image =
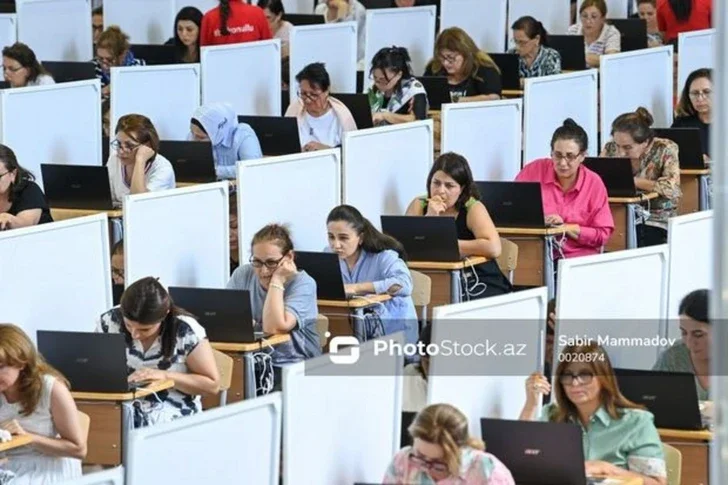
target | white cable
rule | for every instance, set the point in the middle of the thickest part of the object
(470, 291)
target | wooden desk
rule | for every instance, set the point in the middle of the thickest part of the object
(625, 221)
(621, 480)
(695, 449)
(345, 315)
(63, 214)
(512, 93)
(695, 191)
(108, 421)
(446, 279)
(15, 442)
(243, 380)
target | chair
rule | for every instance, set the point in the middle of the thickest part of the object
(322, 327)
(421, 292)
(224, 365)
(508, 260)
(673, 460)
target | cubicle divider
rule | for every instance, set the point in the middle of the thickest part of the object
(349, 405)
(555, 15)
(691, 261)
(299, 6)
(8, 29)
(617, 9)
(59, 123)
(549, 100)
(238, 443)
(56, 30)
(308, 187)
(696, 50)
(412, 28)
(144, 21)
(334, 45)
(57, 276)
(621, 93)
(501, 343)
(114, 476)
(180, 236)
(385, 168)
(202, 5)
(499, 121)
(485, 22)
(168, 95)
(625, 312)
(255, 68)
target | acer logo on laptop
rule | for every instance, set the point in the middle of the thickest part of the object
(531, 452)
(648, 397)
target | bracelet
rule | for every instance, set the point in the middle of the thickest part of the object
(277, 286)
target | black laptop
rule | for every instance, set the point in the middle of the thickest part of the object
(358, 104)
(513, 204)
(77, 186)
(616, 173)
(304, 19)
(277, 135)
(508, 65)
(571, 49)
(670, 396)
(325, 270)
(689, 144)
(191, 160)
(227, 315)
(64, 72)
(105, 148)
(425, 238)
(438, 90)
(155, 54)
(633, 31)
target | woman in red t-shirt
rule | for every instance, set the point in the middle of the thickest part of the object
(676, 16)
(233, 22)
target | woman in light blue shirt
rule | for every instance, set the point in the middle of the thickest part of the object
(231, 141)
(372, 262)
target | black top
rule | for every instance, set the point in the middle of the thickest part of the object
(695, 122)
(31, 197)
(486, 81)
(419, 107)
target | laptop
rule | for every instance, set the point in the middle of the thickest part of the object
(277, 135)
(304, 19)
(689, 143)
(377, 3)
(616, 173)
(227, 315)
(64, 72)
(105, 149)
(77, 186)
(358, 104)
(634, 33)
(425, 238)
(508, 65)
(571, 49)
(192, 161)
(4, 85)
(154, 54)
(670, 396)
(513, 204)
(438, 91)
(325, 270)
(92, 362)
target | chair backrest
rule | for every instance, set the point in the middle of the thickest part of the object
(85, 421)
(322, 326)
(421, 288)
(673, 460)
(224, 365)
(508, 260)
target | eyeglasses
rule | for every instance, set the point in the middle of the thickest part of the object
(583, 377)
(119, 273)
(593, 18)
(448, 59)
(520, 43)
(422, 462)
(4, 174)
(569, 157)
(310, 96)
(105, 60)
(126, 147)
(706, 94)
(270, 264)
(12, 69)
(97, 28)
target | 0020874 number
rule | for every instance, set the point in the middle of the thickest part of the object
(586, 357)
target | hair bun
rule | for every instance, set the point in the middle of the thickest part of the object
(644, 115)
(570, 123)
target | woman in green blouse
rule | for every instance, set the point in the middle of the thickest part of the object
(620, 438)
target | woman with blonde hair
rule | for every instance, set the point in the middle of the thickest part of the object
(444, 452)
(35, 401)
(471, 73)
(112, 50)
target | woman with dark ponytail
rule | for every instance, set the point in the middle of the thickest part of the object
(233, 22)
(535, 57)
(372, 262)
(677, 16)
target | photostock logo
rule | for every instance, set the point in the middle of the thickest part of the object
(350, 342)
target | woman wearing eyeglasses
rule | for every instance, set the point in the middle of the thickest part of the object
(322, 119)
(22, 203)
(620, 438)
(572, 194)
(444, 452)
(599, 37)
(135, 166)
(112, 50)
(535, 57)
(695, 108)
(21, 67)
(283, 298)
(396, 95)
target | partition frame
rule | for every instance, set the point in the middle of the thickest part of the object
(684, 38)
(487, 41)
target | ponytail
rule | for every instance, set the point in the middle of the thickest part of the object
(544, 34)
(224, 15)
(682, 9)
(638, 125)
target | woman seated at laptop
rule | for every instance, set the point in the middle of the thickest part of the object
(599, 37)
(444, 452)
(692, 353)
(21, 68)
(373, 263)
(231, 141)
(531, 41)
(656, 168)
(471, 73)
(571, 193)
(135, 166)
(647, 11)
(322, 119)
(695, 108)
(22, 203)
(281, 29)
(112, 50)
(35, 401)
(396, 95)
(620, 438)
(283, 299)
(163, 342)
(186, 40)
(451, 192)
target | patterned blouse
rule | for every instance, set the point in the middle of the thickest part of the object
(661, 164)
(547, 63)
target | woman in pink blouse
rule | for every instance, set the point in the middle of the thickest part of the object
(572, 194)
(444, 453)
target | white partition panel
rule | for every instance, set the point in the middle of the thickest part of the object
(613, 296)
(483, 20)
(334, 45)
(502, 342)
(208, 446)
(363, 399)
(202, 5)
(298, 6)
(385, 168)
(616, 9)
(144, 21)
(555, 15)
(8, 29)
(168, 95)
(180, 236)
(56, 30)
(691, 260)
(115, 476)
(56, 276)
(311, 184)
(413, 28)
(501, 120)
(550, 100)
(696, 50)
(621, 94)
(60, 123)
(255, 68)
